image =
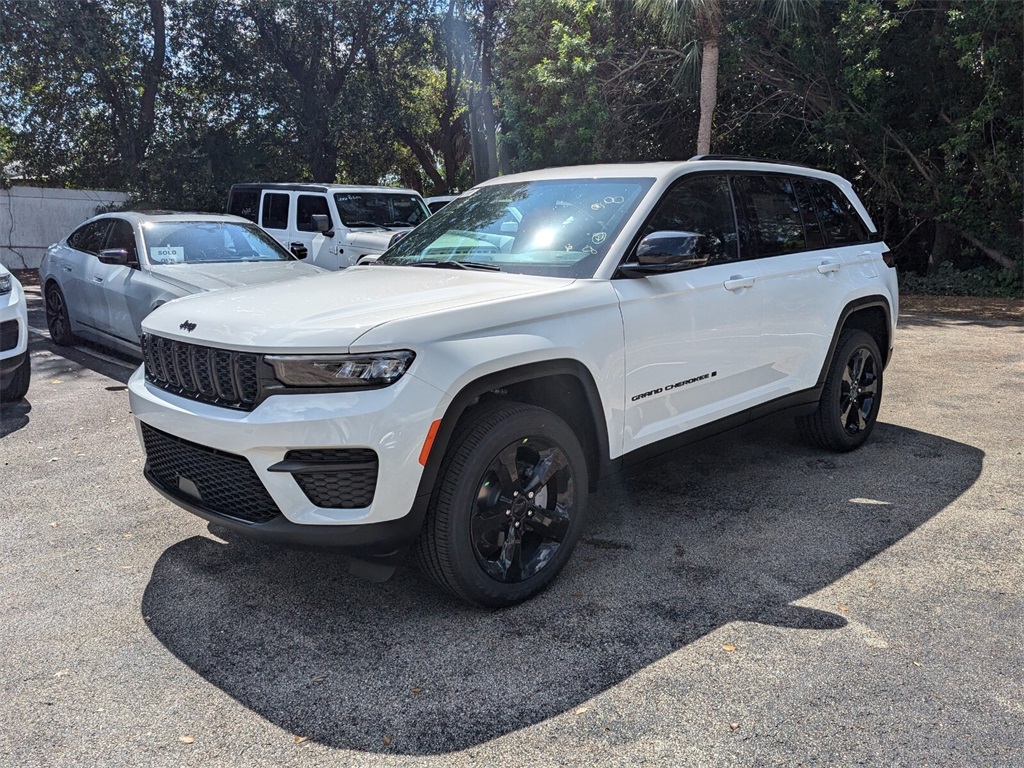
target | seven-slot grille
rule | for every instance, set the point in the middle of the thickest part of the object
(214, 481)
(217, 376)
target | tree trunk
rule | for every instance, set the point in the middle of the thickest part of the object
(940, 247)
(708, 88)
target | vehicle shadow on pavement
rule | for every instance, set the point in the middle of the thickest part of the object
(734, 529)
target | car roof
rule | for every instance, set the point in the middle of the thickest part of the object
(313, 187)
(143, 217)
(662, 169)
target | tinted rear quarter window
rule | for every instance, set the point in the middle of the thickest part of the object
(244, 203)
(841, 223)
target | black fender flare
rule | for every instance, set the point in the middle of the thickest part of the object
(470, 394)
(854, 306)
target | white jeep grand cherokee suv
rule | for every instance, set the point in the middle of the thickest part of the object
(463, 395)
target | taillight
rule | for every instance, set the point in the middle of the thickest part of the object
(889, 259)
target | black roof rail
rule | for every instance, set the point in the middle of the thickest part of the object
(298, 186)
(742, 159)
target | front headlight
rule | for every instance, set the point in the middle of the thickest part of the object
(6, 284)
(377, 369)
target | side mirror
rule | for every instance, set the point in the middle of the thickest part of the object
(116, 256)
(322, 223)
(299, 251)
(661, 252)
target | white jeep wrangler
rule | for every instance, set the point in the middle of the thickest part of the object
(463, 395)
(331, 225)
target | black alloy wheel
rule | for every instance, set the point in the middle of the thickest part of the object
(523, 509)
(851, 397)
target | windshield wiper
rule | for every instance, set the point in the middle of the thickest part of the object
(365, 224)
(457, 265)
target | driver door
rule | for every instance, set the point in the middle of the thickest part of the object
(693, 337)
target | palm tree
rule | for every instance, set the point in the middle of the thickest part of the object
(698, 26)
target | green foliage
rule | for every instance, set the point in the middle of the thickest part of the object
(919, 102)
(976, 281)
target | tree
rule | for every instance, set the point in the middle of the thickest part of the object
(83, 79)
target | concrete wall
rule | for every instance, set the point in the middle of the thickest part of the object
(33, 218)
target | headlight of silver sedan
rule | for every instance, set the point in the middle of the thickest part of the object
(369, 371)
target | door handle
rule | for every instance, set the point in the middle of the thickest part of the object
(736, 282)
(97, 279)
(829, 266)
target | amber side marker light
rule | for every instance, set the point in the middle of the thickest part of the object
(429, 442)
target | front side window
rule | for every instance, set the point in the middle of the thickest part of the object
(380, 209)
(122, 235)
(308, 206)
(559, 227)
(702, 206)
(275, 211)
(90, 237)
(774, 214)
(182, 242)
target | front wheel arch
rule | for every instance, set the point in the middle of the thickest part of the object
(542, 384)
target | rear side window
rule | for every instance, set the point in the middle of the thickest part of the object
(275, 211)
(841, 223)
(774, 214)
(306, 208)
(702, 205)
(244, 203)
(90, 237)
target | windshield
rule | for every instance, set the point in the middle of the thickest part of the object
(558, 228)
(380, 209)
(177, 242)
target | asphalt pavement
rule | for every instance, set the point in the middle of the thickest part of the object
(750, 602)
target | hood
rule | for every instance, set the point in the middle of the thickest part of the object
(197, 276)
(373, 239)
(333, 311)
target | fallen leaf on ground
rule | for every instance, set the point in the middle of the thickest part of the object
(844, 608)
(733, 726)
(187, 739)
(417, 690)
(300, 739)
(580, 710)
(387, 740)
(54, 458)
(729, 648)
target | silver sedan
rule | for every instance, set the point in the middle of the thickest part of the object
(101, 280)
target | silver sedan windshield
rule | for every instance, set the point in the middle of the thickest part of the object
(178, 242)
(559, 228)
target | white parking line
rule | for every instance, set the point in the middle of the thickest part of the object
(91, 352)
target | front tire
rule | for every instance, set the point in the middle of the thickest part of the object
(849, 403)
(15, 387)
(508, 507)
(57, 319)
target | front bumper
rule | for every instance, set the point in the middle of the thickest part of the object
(252, 447)
(13, 328)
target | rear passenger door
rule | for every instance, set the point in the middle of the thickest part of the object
(692, 338)
(804, 282)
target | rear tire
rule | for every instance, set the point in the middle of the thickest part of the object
(15, 386)
(849, 402)
(509, 505)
